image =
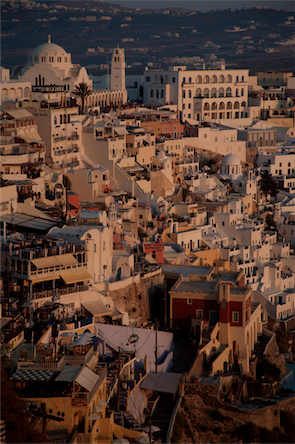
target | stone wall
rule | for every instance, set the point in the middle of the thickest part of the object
(142, 301)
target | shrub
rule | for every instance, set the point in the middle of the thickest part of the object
(248, 432)
(217, 415)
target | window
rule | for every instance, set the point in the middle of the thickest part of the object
(190, 80)
(183, 79)
(183, 94)
(189, 301)
(189, 105)
(189, 116)
(183, 106)
(199, 314)
(148, 79)
(235, 316)
(173, 79)
(94, 248)
(104, 246)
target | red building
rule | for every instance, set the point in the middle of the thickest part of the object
(212, 296)
(73, 203)
(173, 128)
(154, 251)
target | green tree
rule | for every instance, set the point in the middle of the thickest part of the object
(268, 185)
(83, 90)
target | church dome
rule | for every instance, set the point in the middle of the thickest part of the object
(48, 48)
(50, 54)
(230, 160)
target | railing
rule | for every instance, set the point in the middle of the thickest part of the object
(56, 366)
(57, 270)
(59, 291)
(59, 139)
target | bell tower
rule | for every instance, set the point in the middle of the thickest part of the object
(118, 70)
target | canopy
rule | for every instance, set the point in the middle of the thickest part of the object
(84, 339)
(87, 379)
(55, 261)
(77, 276)
(44, 278)
(68, 373)
(161, 382)
(96, 307)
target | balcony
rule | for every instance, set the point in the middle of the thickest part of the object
(59, 138)
(74, 137)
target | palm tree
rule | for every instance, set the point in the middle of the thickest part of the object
(82, 90)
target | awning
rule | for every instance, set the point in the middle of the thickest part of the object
(77, 276)
(87, 379)
(163, 382)
(32, 137)
(55, 261)
(97, 307)
(67, 259)
(68, 373)
(45, 278)
(19, 219)
(46, 262)
(23, 182)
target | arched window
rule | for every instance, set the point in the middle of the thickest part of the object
(157, 93)
(229, 79)
(214, 106)
(221, 92)
(236, 105)
(221, 105)
(161, 79)
(213, 92)
(152, 93)
(243, 104)
(228, 92)
(206, 92)
(229, 105)
(206, 106)
(162, 94)
(242, 92)
(221, 78)
(206, 80)
(214, 79)
(199, 79)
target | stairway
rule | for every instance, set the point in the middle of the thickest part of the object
(162, 414)
(184, 354)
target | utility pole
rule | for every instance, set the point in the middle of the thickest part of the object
(118, 384)
(156, 349)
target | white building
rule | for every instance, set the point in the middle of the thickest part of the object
(98, 243)
(53, 77)
(201, 95)
(12, 90)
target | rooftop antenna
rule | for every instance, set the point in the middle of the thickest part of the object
(49, 38)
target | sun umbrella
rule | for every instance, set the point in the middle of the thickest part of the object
(102, 402)
(143, 440)
(120, 441)
(152, 429)
(97, 408)
(68, 334)
(93, 416)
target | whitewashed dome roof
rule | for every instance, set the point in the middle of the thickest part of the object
(230, 160)
(49, 48)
